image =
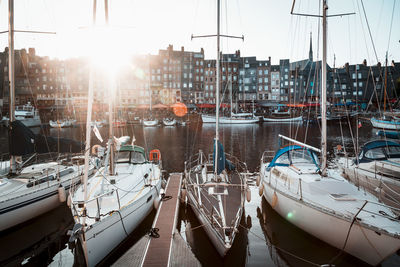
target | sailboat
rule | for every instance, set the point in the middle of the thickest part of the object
(321, 202)
(376, 169)
(30, 190)
(111, 204)
(216, 185)
(234, 118)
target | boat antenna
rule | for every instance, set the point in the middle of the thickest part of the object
(217, 88)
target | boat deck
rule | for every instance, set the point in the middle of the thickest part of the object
(169, 249)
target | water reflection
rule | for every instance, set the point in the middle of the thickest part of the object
(288, 245)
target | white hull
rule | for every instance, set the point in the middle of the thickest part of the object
(150, 122)
(29, 202)
(227, 120)
(362, 242)
(294, 119)
(104, 236)
(315, 209)
(169, 122)
(219, 244)
(385, 124)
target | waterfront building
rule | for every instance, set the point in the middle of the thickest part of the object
(264, 80)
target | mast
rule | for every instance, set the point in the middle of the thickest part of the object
(323, 87)
(384, 92)
(230, 92)
(11, 75)
(88, 137)
(217, 93)
(110, 105)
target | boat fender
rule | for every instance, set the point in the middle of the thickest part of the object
(163, 184)
(261, 189)
(274, 200)
(62, 196)
(183, 195)
(248, 194)
(95, 149)
(69, 201)
(258, 180)
(156, 202)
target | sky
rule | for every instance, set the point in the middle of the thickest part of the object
(269, 30)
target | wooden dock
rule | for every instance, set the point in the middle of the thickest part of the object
(169, 249)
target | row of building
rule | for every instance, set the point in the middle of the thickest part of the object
(186, 76)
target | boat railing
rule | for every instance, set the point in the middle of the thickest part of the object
(80, 205)
(267, 156)
(196, 159)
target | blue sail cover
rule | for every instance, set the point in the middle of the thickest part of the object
(221, 157)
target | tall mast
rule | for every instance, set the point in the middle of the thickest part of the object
(384, 92)
(88, 132)
(11, 74)
(217, 95)
(112, 84)
(230, 92)
(323, 87)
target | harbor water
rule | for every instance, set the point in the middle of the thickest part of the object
(264, 239)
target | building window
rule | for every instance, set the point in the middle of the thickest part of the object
(265, 72)
(265, 79)
(359, 75)
(353, 76)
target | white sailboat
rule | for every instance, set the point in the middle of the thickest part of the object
(234, 118)
(111, 204)
(324, 204)
(376, 169)
(30, 190)
(216, 185)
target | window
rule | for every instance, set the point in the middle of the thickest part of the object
(343, 86)
(265, 72)
(360, 84)
(259, 80)
(359, 75)
(353, 76)
(260, 72)
(266, 87)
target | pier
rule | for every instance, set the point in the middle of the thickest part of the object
(163, 246)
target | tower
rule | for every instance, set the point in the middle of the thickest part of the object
(310, 53)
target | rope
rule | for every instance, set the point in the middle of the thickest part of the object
(153, 232)
(348, 233)
(165, 197)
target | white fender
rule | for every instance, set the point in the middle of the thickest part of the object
(62, 196)
(248, 194)
(183, 195)
(258, 180)
(261, 189)
(274, 200)
(156, 202)
(163, 184)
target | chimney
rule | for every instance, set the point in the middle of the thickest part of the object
(365, 62)
(170, 47)
(182, 48)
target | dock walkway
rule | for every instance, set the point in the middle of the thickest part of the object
(169, 249)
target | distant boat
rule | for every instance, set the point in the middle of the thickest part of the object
(119, 123)
(62, 123)
(282, 116)
(390, 123)
(169, 122)
(150, 122)
(27, 114)
(230, 120)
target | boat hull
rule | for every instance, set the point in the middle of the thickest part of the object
(219, 244)
(105, 235)
(30, 122)
(363, 243)
(28, 206)
(293, 119)
(226, 120)
(150, 122)
(384, 124)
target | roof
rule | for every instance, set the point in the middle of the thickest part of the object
(284, 150)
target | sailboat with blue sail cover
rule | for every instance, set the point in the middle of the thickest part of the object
(216, 186)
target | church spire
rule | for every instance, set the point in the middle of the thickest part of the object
(310, 54)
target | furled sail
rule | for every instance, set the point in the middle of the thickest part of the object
(23, 142)
(221, 157)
